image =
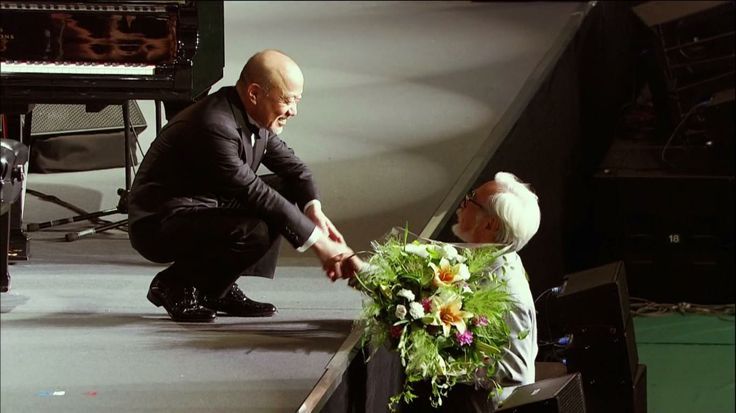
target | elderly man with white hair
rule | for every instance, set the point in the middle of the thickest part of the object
(505, 211)
(501, 211)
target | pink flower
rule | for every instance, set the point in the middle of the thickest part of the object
(427, 304)
(480, 321)
(465, 338)
(396, 331)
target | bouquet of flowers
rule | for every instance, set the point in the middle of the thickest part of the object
(440, 307)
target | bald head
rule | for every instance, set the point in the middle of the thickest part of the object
(270, 69)
(270, 87)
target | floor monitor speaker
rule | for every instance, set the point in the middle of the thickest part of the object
(592, 309)
(557, 395)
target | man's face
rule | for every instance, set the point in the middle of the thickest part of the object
(275, 107)
(472, 218)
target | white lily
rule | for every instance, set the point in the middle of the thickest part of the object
(446, 273)
(448, 312)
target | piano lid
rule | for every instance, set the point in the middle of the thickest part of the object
(108, 51)
(133, 33)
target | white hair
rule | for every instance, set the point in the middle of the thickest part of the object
(517, 209)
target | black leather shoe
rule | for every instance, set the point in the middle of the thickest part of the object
(236, 303)
(180, 302)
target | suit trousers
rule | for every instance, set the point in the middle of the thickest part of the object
(210, 248)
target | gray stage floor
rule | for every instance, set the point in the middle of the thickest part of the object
(88, 331)
(400, 99)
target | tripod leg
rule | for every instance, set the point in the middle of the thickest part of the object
(56, 222)
(73, 236)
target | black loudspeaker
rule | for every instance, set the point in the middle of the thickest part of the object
(640, 389)
(67, 138)
(52, 119)
(592, 307)
(669, 228)
(557, 395)
(601, 291)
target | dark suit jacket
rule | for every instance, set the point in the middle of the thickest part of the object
(204, 157)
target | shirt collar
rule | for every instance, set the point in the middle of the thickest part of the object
(247, 121)
(263, 133)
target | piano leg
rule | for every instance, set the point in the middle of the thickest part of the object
(4, 244)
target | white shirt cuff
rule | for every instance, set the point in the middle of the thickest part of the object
(316, 234)
(310, 203)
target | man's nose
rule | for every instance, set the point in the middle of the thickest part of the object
(292, 110)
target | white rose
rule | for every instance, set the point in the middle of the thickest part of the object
(417, 249)
(406, 294)
(449, 252)
(400, 311)
(463, 272)
(416, 310)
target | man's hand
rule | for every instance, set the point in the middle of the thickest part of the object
(332, 254)
(314, 212)
(344, 265)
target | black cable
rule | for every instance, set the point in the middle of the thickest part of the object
(679, 126)
(644, 307)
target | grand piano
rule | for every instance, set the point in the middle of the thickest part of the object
(101, 53)
(107, 52)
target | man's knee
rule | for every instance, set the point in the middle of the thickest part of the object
(254, 236)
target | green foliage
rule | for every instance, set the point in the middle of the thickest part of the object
(441, 307)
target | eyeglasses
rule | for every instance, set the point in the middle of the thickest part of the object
(470, 197)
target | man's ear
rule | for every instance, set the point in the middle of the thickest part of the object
(493, 224)
(486, 230)
(252, 93)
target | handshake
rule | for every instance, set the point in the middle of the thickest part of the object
(343, 265)
(338, 260)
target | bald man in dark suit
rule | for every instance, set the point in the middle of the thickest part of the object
(198, 203)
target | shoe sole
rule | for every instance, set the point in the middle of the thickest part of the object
(256, 315)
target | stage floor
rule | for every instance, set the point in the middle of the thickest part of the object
(87, 339)
(400, 100)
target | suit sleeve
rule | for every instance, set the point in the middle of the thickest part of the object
(220, 158)
(281, 160)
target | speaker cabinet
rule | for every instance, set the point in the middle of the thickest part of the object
(640, 389)
(557, 395)
(669, 228)
(592, 307)
(66, 138)
(601, 291)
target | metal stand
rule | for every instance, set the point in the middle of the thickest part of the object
(121, 208)
(17, 125)
(13, 159)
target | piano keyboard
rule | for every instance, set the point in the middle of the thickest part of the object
(77, 69)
